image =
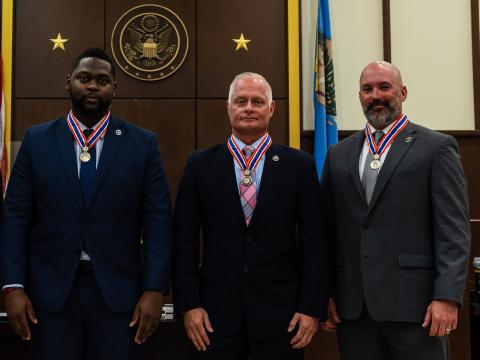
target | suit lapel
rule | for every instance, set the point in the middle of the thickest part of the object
(355, 150)
(268, 176)
(399, 148)
(113, 138)
(232, 194)
(66, 150)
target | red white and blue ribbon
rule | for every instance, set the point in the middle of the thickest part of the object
(379, 149)
(254, 159)
(96, 135)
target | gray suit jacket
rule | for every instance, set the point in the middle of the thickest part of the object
(411, 245)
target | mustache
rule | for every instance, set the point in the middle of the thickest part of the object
(378, 102)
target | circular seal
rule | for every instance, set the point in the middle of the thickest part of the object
(149, 42)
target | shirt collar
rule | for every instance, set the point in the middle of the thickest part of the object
(385, 130)
(83, 127)
(241, 144)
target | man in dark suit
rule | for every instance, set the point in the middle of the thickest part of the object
(264, 275)
(399, 216)
(76, 210)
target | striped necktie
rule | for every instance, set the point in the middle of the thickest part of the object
(248, 193)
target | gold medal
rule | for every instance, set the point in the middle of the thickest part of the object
(247, 181)
(85, 156)
(375, 164)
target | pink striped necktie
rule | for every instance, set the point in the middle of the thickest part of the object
(248, 193)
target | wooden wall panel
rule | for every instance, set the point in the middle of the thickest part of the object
(180, 84)
(40, 72)
(220, 21)
(174, 123)
(33, 112)
(213, 126)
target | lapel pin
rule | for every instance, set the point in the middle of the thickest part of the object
(408, 139)
(275, 158)
(118, 132)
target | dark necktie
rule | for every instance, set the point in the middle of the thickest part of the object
(369, 177)
(87, 170)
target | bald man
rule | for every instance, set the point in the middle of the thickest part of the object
(400, 220)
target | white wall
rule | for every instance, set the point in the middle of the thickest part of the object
(431, 44)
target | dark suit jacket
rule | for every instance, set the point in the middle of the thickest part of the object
(411, 245)
(264, 272)
(46, 220)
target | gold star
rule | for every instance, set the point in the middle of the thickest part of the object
(58, 42)
(241, 42)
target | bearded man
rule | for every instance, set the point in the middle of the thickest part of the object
(400, 221)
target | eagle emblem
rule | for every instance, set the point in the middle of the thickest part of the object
(149, 42)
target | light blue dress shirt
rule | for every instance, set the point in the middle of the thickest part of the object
(258, 169)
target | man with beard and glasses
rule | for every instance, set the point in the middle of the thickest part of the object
(399, 218)
(84, 191)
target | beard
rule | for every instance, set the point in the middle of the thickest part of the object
(380, 120)
(80, 104)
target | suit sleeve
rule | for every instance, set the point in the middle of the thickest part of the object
(17, 219)
(315, 249)
(328, 217)
(156, 223)
(451, 223)
(186, 288)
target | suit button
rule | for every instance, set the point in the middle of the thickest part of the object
(248, 239)
(245, 269)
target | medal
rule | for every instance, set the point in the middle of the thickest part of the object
(85, 156)
(248, 166)
(378, 149)
(375, 164)
(247, 180)
(87, 144)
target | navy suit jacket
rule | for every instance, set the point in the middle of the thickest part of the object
(46, 221)
(261, 273)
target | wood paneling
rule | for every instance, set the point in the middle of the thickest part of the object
(474, 9)
(214, 126)
(387, 35)
(181, 84)
(220, 21)
(33, 112)
(39, 71)
(174, 123)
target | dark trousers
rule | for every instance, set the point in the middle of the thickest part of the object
(243, 346)
(85, 328)
(366, 339)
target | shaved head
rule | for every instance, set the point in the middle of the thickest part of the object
(381, 93)
(379, 64)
